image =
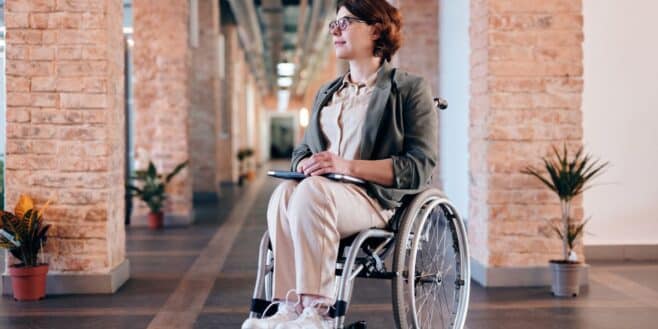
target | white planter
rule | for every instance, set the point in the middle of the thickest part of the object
(566, 278)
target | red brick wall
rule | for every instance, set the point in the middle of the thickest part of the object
(65, 125)
(162, 99)
(420, 49)
(526, 89)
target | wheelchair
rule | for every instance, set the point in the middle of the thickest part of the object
(429, 271)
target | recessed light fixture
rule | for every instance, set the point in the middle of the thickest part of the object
(285, 82)
(285, 69)
(303, 117)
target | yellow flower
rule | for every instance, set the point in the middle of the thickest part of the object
(24, 204)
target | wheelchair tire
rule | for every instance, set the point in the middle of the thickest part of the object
(438, 260)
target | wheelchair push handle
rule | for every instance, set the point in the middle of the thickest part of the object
(440, 103)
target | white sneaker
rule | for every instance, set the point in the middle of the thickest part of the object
(285, 313)
(309, 319)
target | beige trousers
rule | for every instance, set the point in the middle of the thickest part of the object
(306, 221)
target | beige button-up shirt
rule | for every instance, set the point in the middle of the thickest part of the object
(342, 119)
(341, 122)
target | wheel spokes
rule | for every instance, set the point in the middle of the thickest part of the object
(434, 276)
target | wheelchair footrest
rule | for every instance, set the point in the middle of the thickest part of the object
(260, 305)
(357, 325)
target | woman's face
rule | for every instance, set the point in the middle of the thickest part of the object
(356, 41)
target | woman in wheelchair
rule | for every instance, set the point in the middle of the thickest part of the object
(375, 123)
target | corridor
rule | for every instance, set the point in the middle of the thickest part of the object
(141, 131)
(202, 276)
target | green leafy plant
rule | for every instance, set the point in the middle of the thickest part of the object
(244, 153)
(568, 177)
(151, 186)
(23, 232)
(243, 156)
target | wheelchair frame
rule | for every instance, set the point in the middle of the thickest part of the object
(376, 244)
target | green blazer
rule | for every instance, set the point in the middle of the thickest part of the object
(401, 124)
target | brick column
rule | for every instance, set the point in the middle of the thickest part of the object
(161, 57)
(526, 86)
(420, 31)
(233, 103)
(205, 102)
(65, 135)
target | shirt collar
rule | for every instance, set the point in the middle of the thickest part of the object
(370, 81)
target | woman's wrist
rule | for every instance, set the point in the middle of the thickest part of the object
(352, 168)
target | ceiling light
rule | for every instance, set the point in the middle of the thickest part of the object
(285, 82)
(285, 69)
(303, 117)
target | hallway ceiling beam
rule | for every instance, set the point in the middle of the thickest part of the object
(251, 38)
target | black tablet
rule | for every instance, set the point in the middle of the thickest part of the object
(299, 176)
(286, 174)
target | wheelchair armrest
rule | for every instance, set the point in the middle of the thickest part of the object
(345, 178)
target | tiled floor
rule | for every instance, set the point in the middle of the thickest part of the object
(202, 277)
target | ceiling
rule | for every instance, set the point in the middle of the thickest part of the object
(284, 31)
(278, 31)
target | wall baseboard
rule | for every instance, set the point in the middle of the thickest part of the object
(170, 220)
(537, 276)
(622, 252)
(84, 283)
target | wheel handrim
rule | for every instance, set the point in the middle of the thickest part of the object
(434, 259)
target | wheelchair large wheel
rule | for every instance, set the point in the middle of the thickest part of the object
(431, 257)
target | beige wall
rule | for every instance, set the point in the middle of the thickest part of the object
(619, 119)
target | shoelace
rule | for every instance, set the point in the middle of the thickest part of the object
(280, 302)
(314, 309)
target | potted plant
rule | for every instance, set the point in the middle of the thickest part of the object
(568, 178)
(242, 156)
(151, 190)
(251, 172)
(23, 233)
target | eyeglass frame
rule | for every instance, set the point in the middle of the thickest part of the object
(349, 20)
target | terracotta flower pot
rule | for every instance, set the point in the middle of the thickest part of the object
(251, 175)
(155, 220)
(28, 283)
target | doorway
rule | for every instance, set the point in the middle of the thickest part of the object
(282, 137)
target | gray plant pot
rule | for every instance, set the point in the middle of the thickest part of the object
(566, 278)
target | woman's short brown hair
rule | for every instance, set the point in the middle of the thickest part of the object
(386, 20)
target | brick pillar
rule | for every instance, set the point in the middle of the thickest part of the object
(526, 86)
(205, 98)
(232, 101)
(420, 46)
(161, 57)
(65, 135)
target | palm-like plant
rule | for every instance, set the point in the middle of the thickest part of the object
(23, 232)
(152, 185)
(568, 178)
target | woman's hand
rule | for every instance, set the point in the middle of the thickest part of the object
(325, 163)
(301, 164)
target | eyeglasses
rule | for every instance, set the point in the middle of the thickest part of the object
(343, 22)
